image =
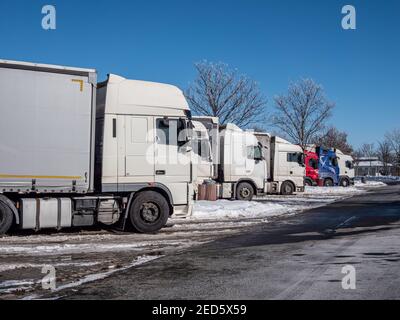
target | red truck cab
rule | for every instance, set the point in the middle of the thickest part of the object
(312, 174)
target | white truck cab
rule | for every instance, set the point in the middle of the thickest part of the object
(145, 140)
(242, 168)
(346, 169)
(288, 166)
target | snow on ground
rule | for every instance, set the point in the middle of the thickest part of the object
(223, 209)
(87, 256)
(370, 183)
(334, 190)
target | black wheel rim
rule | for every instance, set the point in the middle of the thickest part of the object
(150, 212)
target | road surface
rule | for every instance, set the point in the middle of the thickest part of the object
(300, 257)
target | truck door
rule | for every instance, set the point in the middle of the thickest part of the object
(172, 158)
(203, 158)
(256, 166)
(139, 148)
(135, 150)
(296, 166)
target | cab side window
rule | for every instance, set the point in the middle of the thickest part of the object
(313, 163)
(333, 162)
(254, 153)
(293, 157)
(349, 164)
(168, 132)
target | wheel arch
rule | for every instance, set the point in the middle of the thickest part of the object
(309, 180)
(249, 181)
(159, 188)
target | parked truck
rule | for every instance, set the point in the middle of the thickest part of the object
(346, 169)
(312, 166)
(245, 164)
(285, 165)
(75, 153)
(328, 167)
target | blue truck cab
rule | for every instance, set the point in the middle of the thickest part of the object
(328, 167)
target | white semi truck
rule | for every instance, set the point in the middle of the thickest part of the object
(75, 153)
(346, 169)
(245, 164)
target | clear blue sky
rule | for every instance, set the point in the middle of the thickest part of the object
(273, 42)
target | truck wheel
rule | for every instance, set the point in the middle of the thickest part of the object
(6, 218)
(244, 192)
(149, 212)
(344, 183)
(308, 182)
(287, 189)
(328, 183)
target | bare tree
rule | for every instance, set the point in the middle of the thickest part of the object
(394, 140)
(333, 138)
(220, 91)
(384, 153)
(367, 150)
(302, 113)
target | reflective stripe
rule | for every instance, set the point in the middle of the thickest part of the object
(11, 176)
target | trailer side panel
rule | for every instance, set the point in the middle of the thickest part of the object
(46, 130)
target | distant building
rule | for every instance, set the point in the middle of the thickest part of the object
(372, 166)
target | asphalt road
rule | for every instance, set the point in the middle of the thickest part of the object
(300, 257)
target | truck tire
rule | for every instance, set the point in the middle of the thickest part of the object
(308, 182)
(244, 191)
(344, 182)
(149, 212)
(287, 188)
(6, 218)
(328, 182)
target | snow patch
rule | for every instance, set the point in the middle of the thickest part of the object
(223, 209)
(333, 190)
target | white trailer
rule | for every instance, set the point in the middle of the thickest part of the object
(346, 169)
(74, 153)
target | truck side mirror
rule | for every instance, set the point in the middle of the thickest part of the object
(187, 148)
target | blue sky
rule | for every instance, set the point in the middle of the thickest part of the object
(274, 42)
